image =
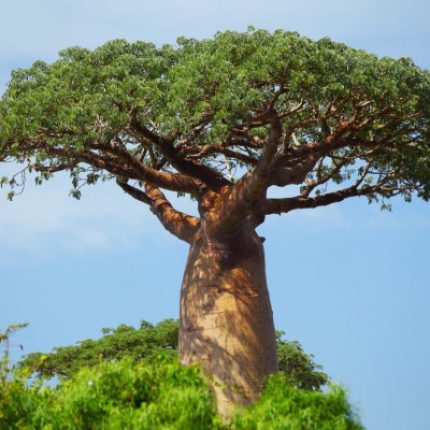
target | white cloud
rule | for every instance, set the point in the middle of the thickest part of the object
(45, 220)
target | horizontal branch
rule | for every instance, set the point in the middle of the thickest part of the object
(210, 177)
(119, 162)
(279, 206)
(59, 167)
(221, 148)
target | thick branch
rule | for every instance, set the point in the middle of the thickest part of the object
(295, 164)
(119, 162)
(258, 180)
(179, 224)
(278, 206)
(242, 197)
(134, 192)
(167, 180)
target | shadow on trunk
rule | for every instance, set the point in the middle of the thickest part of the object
(226, 321)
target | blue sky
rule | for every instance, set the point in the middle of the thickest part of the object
(351, 283)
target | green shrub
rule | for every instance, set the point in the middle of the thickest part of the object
(113, 395)
(284, 407)
(149, 391)
(161, 395)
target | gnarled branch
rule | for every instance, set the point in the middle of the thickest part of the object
(279, 206)
(181, 225)
(119, 162)
(238, 202)
(210, 177)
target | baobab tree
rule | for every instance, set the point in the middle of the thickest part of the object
(222, 121)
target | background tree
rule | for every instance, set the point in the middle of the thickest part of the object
(222, 121)
(147, 343)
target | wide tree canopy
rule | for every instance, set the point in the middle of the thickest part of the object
(254, 109)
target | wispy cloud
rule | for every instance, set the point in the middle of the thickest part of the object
(46, 220)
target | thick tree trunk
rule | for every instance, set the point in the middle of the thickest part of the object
(226, 322)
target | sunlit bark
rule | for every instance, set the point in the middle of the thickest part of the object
(226, 322)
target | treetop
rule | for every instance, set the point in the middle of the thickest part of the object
(194, 117)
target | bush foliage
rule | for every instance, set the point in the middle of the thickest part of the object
(121, 394)
(284, 407)
(161, 395)
(113, 395)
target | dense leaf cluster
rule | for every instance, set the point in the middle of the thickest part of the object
(162, 395)
(145, 343)
(210, 104)
(299, 368)
(283, 407)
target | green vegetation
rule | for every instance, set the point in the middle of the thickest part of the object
(160, 394)
(148, 342)
(113, 395)
(164, 395)
(98, 113)
(145, 343)
(297, 367)
(283, 407)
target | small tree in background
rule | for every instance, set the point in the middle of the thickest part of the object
(147, 343)
(222, 121)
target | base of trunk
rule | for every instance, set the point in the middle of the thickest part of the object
(226, 322)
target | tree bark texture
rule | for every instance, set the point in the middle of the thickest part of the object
(226, 321)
